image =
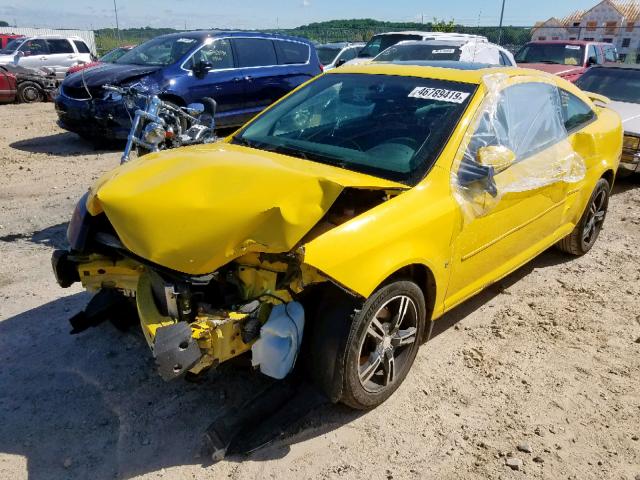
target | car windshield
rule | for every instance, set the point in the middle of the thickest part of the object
(553, 53)
(404, 53)
(390, 126)
(160, 51)
(619, 84)
(379, 43)
(113, 55)
(13, 45)
(327, 54)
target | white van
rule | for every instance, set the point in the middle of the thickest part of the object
(380, 42)
(51, 51)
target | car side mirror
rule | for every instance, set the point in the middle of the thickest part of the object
(496, 156)
(592, 61)
(341, 62)
(489, 161)
(21, 54)
(200, 69)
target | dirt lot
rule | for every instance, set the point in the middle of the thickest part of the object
(548, 360)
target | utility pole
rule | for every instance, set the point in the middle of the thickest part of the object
(500, 28)
(115, 9)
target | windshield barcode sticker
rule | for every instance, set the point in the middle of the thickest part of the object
(441, 94)
(444, 50)
(572, 47)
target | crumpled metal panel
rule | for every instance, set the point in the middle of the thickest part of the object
(196, 209)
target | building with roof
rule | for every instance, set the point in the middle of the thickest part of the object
(610, 21)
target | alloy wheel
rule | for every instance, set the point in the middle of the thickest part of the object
(384, 349)
(595, 219)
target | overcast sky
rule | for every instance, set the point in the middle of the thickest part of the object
(265, 14)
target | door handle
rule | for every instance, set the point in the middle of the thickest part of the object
(43, 58)
(246, 78)
(71, 56)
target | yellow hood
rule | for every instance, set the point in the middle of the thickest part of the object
(195, 209)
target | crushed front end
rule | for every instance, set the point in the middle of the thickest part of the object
(191, 322)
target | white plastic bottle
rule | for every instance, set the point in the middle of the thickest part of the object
(280, 338)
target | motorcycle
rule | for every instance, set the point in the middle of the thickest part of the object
(162, 125)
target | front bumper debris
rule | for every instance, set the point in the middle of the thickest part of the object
(64, 270)
(175, 350)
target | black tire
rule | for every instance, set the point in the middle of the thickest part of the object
(586, 232)
(359, 362)
(29, 92)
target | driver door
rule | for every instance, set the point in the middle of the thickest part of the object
(35, 54)
(512, 216)
(223, 82)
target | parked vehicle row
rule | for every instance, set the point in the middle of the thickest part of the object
(271, 238)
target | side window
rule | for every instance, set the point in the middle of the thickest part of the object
(504, 60)
(81, 46)
(575, 112)
(290, 53)
(610, 54)
(218, 53)
(526, 119)
(61, 45)
(255, 52)
(34, 47)
(592, 55)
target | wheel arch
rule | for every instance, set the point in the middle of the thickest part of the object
(609, 176)
(423, 277)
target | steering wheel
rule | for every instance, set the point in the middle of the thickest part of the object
(408, 141)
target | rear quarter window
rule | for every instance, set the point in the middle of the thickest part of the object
(576, 114)
(81, 46)
(290, 53)
(255, 52)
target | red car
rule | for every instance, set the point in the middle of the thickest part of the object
(568, 59)
(5, 38)
(108, 57)
(8, 87)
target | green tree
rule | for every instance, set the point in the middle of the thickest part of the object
(443, 25)
(3, 23)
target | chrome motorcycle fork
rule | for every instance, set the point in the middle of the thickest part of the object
(150, 113)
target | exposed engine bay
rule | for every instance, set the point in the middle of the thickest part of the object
(195, 322)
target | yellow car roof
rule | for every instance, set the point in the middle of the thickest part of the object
(442, 73)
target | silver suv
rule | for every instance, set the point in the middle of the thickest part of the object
(54, 52)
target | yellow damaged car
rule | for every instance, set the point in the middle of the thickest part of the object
(344, 220)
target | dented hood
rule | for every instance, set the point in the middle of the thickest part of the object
(195, 209)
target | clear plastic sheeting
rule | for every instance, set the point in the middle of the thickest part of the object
(517, 142)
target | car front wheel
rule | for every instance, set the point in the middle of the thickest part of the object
(365, 363)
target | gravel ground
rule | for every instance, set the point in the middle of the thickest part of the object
(540, 372)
